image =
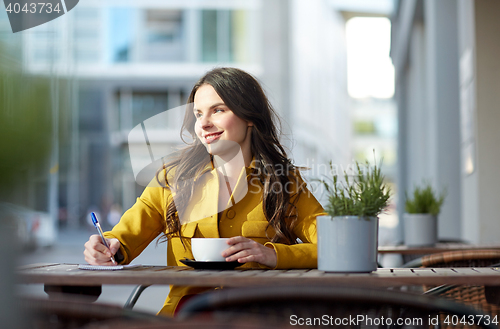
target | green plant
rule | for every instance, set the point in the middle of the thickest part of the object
(424, 201)
(364, 195)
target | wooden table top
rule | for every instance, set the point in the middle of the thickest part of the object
(69, 274)
(439, 247)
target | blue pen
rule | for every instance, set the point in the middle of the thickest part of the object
(99, 230)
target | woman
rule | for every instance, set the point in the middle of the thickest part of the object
(233, 181)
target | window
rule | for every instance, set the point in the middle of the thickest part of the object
(135, 106)
(121, 25)
(217, 41)
(147, 105)
(87, 27)
(163, 36)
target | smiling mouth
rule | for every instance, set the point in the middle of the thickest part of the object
(209, 138)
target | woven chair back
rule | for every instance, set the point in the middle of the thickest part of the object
(471, 295)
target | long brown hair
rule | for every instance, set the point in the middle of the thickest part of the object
(243, 94)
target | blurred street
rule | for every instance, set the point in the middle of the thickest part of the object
(69, 249)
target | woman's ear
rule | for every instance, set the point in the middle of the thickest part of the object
(250, 124)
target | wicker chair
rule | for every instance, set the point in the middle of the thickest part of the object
(459, 258)
(318, 306)
(480, 297)
(453, 242)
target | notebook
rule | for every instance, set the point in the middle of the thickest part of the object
(106, 268)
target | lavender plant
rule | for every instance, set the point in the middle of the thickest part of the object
(364, 194)
(424, 201)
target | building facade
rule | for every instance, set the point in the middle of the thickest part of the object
(127, 61)
(447, 83)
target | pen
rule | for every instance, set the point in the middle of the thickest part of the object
(99, 230)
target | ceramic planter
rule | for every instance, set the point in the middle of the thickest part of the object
(347, 243)
(420, 229)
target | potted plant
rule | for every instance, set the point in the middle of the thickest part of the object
(348, 234)
(420, 218)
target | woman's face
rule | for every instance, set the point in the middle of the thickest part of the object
(217, 126)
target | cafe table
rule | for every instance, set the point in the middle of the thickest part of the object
(64, 275)
(58, 274)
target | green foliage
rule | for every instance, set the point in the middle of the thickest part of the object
(424, 201)
(364, 194)
(26, 112)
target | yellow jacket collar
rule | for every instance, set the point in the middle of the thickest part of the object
(210, 167)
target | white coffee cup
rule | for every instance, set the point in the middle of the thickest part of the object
(209, 249)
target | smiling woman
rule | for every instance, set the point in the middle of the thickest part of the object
(216, 122)
(223, 185)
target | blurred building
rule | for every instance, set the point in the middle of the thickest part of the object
(126, 61)
(371, 109)
(370, 77)
(31, 106)
(131, 62)
(328, 122)
(119, 63)
(445, 55)
(318, 109)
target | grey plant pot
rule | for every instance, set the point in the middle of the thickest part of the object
(420, 230)
(347, 243)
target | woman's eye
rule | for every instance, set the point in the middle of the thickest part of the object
(197, 115)
(218, 110)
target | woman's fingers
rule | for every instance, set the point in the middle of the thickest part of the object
(96, 253)
(97, 260)
(237, 244)
(246, 256)
(238, 247)
(114, 245)
(246, 250)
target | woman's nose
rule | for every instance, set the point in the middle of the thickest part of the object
(205, 122)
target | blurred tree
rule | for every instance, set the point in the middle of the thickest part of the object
(25, 119)
(25, 142)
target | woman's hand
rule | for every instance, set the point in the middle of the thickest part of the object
(245, 250)
(96, 252)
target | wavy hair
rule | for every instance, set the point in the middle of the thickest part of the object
(243, 94)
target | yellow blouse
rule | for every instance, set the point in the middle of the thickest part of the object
(243, 216)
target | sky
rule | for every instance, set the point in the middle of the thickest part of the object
(370, 72)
